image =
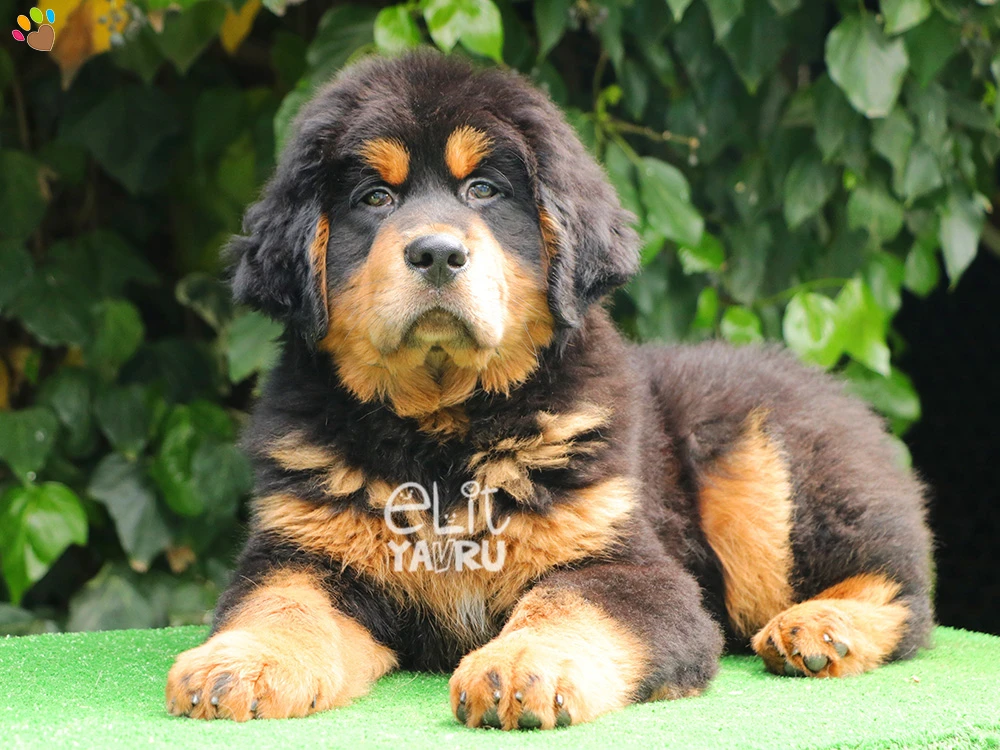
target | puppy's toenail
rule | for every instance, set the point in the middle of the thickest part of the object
(462, 696)
(214, 700)
(519, 696)
(313, 705)
(815, 662)
(559, 699)
(253, 705)
(195, 699)
(496, 696)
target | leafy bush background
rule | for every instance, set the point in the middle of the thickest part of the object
(794, 166)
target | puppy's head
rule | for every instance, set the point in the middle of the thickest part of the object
(434, 228)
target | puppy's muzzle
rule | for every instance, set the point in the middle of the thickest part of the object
(438, 258)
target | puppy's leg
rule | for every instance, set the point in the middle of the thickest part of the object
(585, 642)
(847, 629)
(281, 649)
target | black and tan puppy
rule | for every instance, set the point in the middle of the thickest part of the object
(461, 465)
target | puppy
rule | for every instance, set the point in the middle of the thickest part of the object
(461, 465)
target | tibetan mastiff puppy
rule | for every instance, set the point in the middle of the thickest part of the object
(461, 465)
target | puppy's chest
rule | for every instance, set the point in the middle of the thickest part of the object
(457, 532)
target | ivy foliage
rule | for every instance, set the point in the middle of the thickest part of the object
(794, 168)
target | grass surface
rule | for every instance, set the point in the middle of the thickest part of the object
(105, 690)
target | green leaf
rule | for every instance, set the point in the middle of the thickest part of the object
(251, 345)
(16, 270)
(122, 486)
(894, 396)
(187, 33)
(962, 220)
(208, 297)
(707, 310)
(751, 248)
(808, 186)
(884, 275)
(343, 32)
(666, 197)
(395, 29)
(223, 475)
(756, 43)
(622, 173)
(69, 393)
(26, 439)
(810, 328)
(740, 325)
(551, 21)
(930, 46)
(724, 14)
(784, 7)
(863, 324)
(475, 23)
(287, 110)
(677, 7)
(868, 67)
(110, 602)
(834, 117)
(128, 131)
(119, 333)
(872, 207)
(125, 416)
(22, 199)
(901, 15)
(892, 137)
(171, 469)
(37, 524)
(922, 271)
(923, 173)
(708, 255)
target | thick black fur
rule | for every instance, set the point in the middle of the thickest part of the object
(676, 411)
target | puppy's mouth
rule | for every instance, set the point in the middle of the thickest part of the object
(439, 328)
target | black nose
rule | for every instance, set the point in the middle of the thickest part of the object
(439, 257)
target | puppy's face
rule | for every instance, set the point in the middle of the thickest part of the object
(434, 228)
(435, 264)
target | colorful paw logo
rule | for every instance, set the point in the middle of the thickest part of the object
(41, 38)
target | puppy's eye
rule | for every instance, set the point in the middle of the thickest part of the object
(481, 191)
(377, 198)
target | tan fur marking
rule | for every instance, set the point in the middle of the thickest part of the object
(746, 511)
(294, 454)
(285, 651)
(858, 613)
(317, 255)
(506, 464)
(465, 148)
(550, 234)
(427, 378)
(556, 642)
(469, 602)
(389, 157)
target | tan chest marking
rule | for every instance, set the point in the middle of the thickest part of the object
(746, 514)
(506, 464)
(467, 602)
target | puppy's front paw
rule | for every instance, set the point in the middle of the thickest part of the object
(526, 679)
(244, 674)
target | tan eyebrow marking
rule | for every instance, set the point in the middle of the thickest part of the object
(465, 148)
(389, 157)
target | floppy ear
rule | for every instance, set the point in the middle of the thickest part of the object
(591, 243)
(279, 265)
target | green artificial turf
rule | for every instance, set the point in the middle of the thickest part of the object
(105, 690)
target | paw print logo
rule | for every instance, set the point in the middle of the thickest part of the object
(41, 38)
